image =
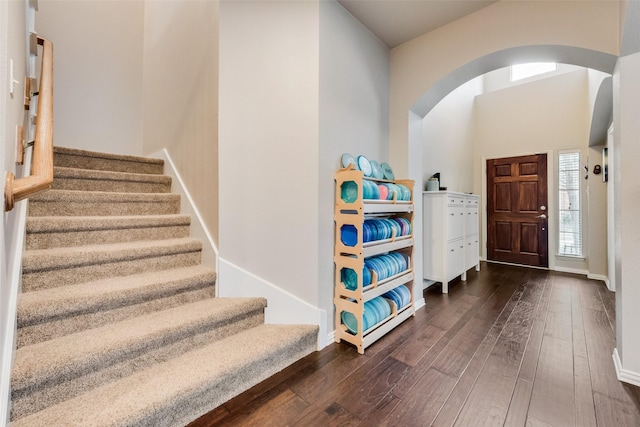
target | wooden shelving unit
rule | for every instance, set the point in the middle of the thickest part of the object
(354, 213)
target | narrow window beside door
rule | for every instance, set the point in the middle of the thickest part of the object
(570, 218)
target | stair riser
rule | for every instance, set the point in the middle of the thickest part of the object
(67, 239)
(104, 371)
(74, 322)
(97, 163)
(46, 279)
(106, 208)
(109, 185)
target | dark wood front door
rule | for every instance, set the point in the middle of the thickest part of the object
(517, 210)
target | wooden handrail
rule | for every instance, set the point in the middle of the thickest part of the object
(42, 161)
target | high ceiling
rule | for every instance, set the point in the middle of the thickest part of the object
(398, 21)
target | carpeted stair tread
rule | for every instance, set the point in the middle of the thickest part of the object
(65, 178)
(72, 355)
(60, 326)
(82, 159)
(100, 203)
(43, 224)
(106, 294)
(178, 391)
(47, 268)
(57, 258)
(46, 232)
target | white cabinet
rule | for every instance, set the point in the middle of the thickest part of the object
(450, 236)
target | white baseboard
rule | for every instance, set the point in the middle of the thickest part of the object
(571, 270)
(233, 281)
(602, 278)
(199, 229)
(331, 337)
(518, 265)
(12, 280)
(623, 374)
(282, 308)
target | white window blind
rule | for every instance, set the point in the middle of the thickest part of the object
(570, 222)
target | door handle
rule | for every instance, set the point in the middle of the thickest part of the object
(543, 216)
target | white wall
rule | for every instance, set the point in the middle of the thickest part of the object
(98, 72)
(596, 250)
(629, 28)
(180, 92)
(448, 139)
(354, 117)
(595, 79)
(300, 84)
(627, 189)
(12, 47)
(268, 144)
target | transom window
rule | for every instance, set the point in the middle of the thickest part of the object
(522, 71)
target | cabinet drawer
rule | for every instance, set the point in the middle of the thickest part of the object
(455, 201)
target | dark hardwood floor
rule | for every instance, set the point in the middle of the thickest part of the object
(510, 346)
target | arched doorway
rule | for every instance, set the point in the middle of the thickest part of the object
(540, 53)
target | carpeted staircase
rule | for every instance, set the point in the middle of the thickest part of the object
(117, 320)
